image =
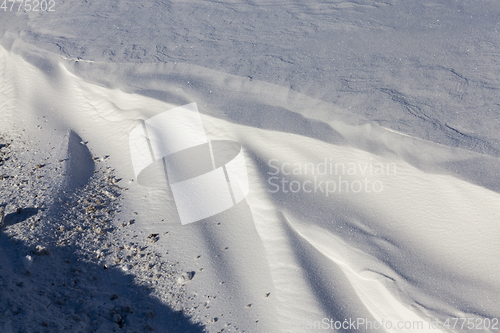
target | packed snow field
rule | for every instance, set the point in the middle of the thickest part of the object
(366, 134)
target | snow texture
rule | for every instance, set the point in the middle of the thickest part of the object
(370, 135)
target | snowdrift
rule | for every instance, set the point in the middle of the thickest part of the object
(344, 219)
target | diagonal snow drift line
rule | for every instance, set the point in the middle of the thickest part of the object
(433, 235)
(177, 138)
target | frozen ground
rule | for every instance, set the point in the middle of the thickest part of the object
(409, 89)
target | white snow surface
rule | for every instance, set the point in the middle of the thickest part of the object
(395, 103)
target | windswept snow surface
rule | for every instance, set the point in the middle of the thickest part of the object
(370, 137)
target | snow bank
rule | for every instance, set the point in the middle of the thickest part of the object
(344, 218)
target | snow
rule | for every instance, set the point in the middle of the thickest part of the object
(368, 132)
